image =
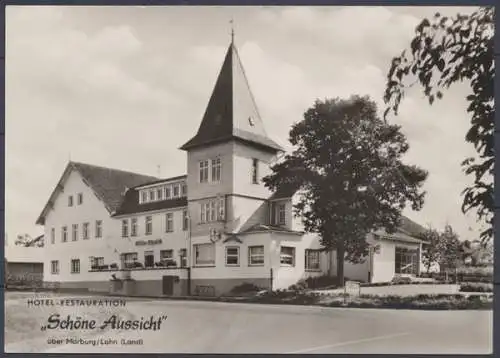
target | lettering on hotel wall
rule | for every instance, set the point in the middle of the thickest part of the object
(148, 242)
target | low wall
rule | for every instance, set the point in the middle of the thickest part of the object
(220, 286)
(147, 282)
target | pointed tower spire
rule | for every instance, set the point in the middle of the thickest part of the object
(231, 113)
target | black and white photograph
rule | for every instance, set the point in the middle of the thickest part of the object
(249, 179)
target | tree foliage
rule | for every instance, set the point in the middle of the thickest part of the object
(445, 51)
(450, 244)
(346, 167)
(431, 253)
(28, 241)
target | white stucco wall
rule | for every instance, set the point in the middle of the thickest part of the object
(111, 245)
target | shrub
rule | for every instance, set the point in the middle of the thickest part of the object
(245, 287)
(314, 283)
(480, 271)
(476, 287)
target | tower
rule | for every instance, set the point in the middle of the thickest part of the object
(229, 155)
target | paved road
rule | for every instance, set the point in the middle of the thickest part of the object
(210, 327)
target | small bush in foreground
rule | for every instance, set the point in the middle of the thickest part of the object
(245, 287)
(422, 301)
(476, 287)
(314, 283)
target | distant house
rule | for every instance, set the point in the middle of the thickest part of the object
(23, 265)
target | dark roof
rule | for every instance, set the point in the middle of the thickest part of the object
(161, 181)
(108, 184)
(230, 110)
(411, 227)
(130, 204)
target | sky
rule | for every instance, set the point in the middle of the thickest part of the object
(125, 87)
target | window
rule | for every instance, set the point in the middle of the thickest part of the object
(133, 227)
(129, 259)
(149, 225)
(98, 228)
(216, 170)
(232, 256)
(204, 171)
(203, 212)
(184, 189)
(75, 266)
(54, 267)
(166, 254)
(64, 234)
(168, 192)
(221, 206)
(96, 262)
(185, 220)
(70, 200)
(169, 222)
(159, 193)
(149, 259)
(75, 232)
(144, 196)
(176, 190)
(80, 199)
(255, 171)
(52, 236)
(213, 210)
(287, 256)
(125, 228)
(183, 255)
(312, 260)
(281, 214)
(204, 254)
(152, 195)
(256, 256)
(406, 261)
(85, 231)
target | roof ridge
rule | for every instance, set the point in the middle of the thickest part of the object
(114, 169)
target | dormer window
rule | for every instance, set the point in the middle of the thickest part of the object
(152, 195)
(144, 196)
(184, 189)
(168, 192)
(278, 214)
(176, 190)
(159, 194)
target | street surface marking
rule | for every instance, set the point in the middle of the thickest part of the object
(349, 343)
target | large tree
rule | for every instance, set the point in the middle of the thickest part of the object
(346, 167)
(446, 50)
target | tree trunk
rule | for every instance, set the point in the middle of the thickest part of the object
(340, 265)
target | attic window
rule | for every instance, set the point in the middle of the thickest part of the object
(251, 121)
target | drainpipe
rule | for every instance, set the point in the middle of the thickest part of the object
(190, 253)
(271, 251)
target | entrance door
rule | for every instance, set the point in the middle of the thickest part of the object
(149, 259)
(168, 285)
